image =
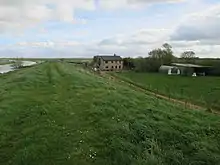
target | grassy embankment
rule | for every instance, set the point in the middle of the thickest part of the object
(203, 91)
(63, 115)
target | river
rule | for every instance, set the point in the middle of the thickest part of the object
(7, 67)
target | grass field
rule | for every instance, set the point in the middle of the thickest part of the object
(60, 114)
(4, 62)
(199, 90)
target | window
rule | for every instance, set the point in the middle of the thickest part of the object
(116, 67)
(106, 62)
(106, 67)
(119, 67)
(112, 61)
(112, 67)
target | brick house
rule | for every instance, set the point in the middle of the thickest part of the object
(108, 63)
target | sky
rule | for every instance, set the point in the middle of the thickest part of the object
(130, 28)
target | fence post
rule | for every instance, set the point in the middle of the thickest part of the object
(181, 92)
(169, 93)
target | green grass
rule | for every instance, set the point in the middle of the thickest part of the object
(60, 114)
(203, 91)
(3, 62)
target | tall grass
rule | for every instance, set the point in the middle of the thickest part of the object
(204, 91)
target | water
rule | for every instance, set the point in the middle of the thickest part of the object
(7, 67)
(28, 63)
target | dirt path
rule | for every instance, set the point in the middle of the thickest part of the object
(164, 97)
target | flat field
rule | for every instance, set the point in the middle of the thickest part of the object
(61, 114)
(3, 62)
(203, 91)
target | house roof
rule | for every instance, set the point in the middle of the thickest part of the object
(111, 58)
(189, 65)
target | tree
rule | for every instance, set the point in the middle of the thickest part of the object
(128, 63)
(156, 58)
(164, 54)
(168, 54)
(167, 47)
(188, 56)
(140, 65)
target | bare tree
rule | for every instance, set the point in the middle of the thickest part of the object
(188, 56)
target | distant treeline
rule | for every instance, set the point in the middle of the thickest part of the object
(164, 56)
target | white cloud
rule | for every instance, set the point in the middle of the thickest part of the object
(203, 26)
(114, 4)
(75, 49)
(203, 51)
(138, 43)
(140, 37)
(49, 44)
(18, 14)
(199, 32)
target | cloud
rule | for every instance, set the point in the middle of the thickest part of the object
(141, 37)
(137, 43)
(203, 51)
(16, 15)
(198, 32)
(115, 4)
(203, 27)
(50, 44)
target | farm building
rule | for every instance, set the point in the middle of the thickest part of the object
(185, 69)
(192, 69)
(170, 70)
(108, 63)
